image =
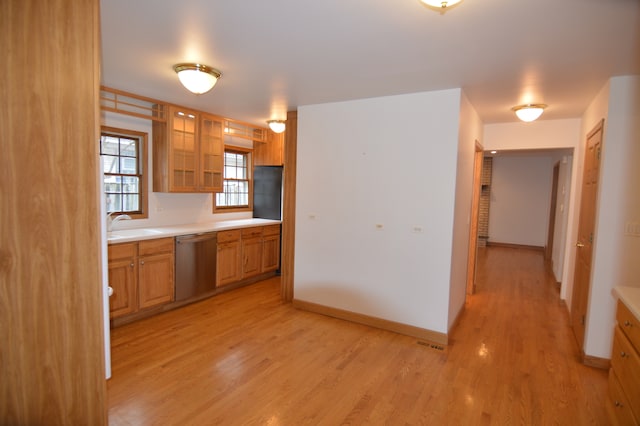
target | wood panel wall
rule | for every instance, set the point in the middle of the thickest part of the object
(51, 330)
(289, 205)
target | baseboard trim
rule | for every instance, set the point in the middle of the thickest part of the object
(509, 245)
(595, 362)
(396, 327)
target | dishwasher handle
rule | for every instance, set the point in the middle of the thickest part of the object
(195, 238)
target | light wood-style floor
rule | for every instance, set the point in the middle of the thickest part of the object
(245, 358)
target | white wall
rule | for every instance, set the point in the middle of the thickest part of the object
(615, 259)
(520, 200)
(166, 208)
(470, 131)
(371, 173)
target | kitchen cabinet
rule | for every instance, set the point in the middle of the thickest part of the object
(269, 152)
(624, 375)
(251, 251)
(247, 253)
(188, 152)
(229, 260)
(270, 248)
(123, 269)
(155, 272)
(141, 275)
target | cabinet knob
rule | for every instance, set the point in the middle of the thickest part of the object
(142, 262)
(618, 404)
(131, 264)
(623, 354)
(627, 323)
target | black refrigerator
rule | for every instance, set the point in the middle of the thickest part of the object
(267, 192)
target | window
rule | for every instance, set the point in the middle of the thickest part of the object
(237, 182)
(122, 153)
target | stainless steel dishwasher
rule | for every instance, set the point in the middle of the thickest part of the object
(195, 265)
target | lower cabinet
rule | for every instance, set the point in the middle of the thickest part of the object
(624, 375)
(247, 252)
(141, 275)
(228, 259)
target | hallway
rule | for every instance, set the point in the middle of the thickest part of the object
(244, 357)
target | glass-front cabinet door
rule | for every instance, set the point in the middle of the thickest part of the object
(211, 153)
(183, 170)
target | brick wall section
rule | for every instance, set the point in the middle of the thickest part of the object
(485, 194)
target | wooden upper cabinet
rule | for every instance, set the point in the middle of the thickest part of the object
(211, 153)
(188, 152)
(269, 153)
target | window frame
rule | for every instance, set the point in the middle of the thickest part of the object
(229, 209)
(142, 163)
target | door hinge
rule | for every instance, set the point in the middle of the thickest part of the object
(583, 320)
(599, 151)
(591, 237)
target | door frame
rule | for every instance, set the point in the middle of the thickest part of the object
(475, 213)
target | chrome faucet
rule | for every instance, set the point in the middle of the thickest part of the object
(112, 220)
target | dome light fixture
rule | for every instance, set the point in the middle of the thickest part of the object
(277, 126)
(197, 78)
(529, 112)
(440, 4)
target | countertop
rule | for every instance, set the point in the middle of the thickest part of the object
(630, 296)
(128, 235)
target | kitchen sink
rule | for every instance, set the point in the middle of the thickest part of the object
(132, 233)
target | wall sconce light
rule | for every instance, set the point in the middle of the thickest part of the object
(529, 112)
(440, 4)
(277, 126)
(197, 78)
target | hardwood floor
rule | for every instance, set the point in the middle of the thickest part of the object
(244, 357)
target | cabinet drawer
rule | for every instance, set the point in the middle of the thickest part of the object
(122, 251)
(629, 324)
(227, 236)
(620, 407)
(252, 232)
(271, 230)
(158, 245)
(625, 361)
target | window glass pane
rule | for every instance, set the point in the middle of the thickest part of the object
(109, 145)
(129, 166)
(114, 203)
(112, 184)
(128, 147)
(130, 202)
(130, 185)
(110, 164)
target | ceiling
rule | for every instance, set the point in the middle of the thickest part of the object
(278, 55)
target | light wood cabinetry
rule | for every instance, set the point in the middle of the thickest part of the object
(246, 253)
(269, 152)
(251, 252)
(155, 272)
(188, 152)
(624, 375)
(270, 248)
(123, 270)
(141, 275)
(229, 260)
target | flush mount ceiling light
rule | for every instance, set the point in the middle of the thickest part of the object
(277, 126)
(197, 78)
(440, 4)
(529, 112)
